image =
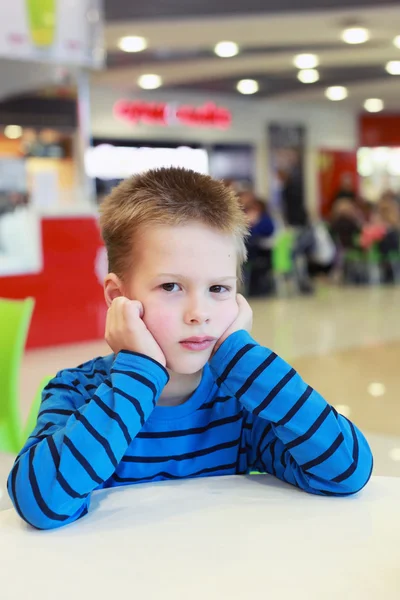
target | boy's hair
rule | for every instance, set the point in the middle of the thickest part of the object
(167, 196)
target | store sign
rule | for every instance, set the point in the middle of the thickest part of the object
(53, 31)
(160, 113)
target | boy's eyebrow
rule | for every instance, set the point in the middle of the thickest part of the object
(178, 276)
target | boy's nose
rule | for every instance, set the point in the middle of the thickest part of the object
(197, 314)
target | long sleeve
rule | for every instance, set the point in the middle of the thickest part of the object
(294, 434)
(78, 443)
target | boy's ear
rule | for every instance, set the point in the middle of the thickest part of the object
(113, 288)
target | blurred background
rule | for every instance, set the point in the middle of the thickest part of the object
(292, 103)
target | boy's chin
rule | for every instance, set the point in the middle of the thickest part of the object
(189, 365)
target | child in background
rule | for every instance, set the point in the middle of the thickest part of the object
(186, 392)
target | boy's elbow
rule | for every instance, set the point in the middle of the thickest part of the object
(358, 476)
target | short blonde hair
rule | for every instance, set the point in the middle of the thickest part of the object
(167, 196)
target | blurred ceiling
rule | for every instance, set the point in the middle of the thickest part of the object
(181, 36)
(119, 10)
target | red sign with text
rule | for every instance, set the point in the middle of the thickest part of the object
(160, 113)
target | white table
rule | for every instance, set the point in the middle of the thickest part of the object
(222, 538)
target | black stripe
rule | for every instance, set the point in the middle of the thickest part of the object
(47, 396)
(14, 494)
(97, 436)
(214, 402)
(274, 392)
(295, 409)
(233, 362)
(248, 426)
(266, 431)
(170, 476)
(61, 480)
(56, 411)
(327, 454)
(314, 427)
(82, 461)
(45, 428)
(134, 402)
(179, 457)
(96, 373)
(115, 416)
(130, 353)
(283, 459)
(251, 379)
(151, 435)
(62, 386)
(272, 450)
(149, 384)
(89, 373)
(91, 387)
(356, 450)
(46, 510)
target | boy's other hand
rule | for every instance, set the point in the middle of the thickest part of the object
(244, 320)
(126, 330)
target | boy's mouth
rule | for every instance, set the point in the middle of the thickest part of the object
(198, 344)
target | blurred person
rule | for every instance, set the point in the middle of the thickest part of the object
(187, 392)
(259, 247)
(346, 188)
(345, 224)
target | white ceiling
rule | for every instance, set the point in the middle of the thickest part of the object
(282, 31)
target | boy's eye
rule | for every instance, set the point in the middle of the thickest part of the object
(170, 287)
(218, 289)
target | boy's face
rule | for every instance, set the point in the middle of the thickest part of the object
(185, 277)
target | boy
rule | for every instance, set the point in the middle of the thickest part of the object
(187, 392)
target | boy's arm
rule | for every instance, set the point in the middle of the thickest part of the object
(296, 435)
(73, 451)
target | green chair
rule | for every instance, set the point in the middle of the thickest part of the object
(282, 257)
(33, 413)
(15, 318)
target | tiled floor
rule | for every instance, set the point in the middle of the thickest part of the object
(344, 342)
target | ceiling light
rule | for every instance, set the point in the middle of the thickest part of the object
(374, 105)
(344, 410)
(393, 67)
(132, 43)
(355, 35)
(247, 86)
(394, 454)
(149, 81)
(308, 76)
(13, 132)
(306, 61)
(377, 390)
(226, 49)
(396, 41)
(336, 93)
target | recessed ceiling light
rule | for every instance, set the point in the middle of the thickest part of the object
(132, 43)
(13, 132)
(393, 67)
(355, 35)
(394, 454)
(374, 105)
(396, 41)
(343, 409)
(150, 81)
(308, 76)
(226, 49)
(377, 390)
(306, 61)
(248, 86)
(336, 93)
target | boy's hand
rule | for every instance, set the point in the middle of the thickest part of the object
(126, 330)
(244, 320)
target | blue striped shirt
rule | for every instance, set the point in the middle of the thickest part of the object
(99, 426)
